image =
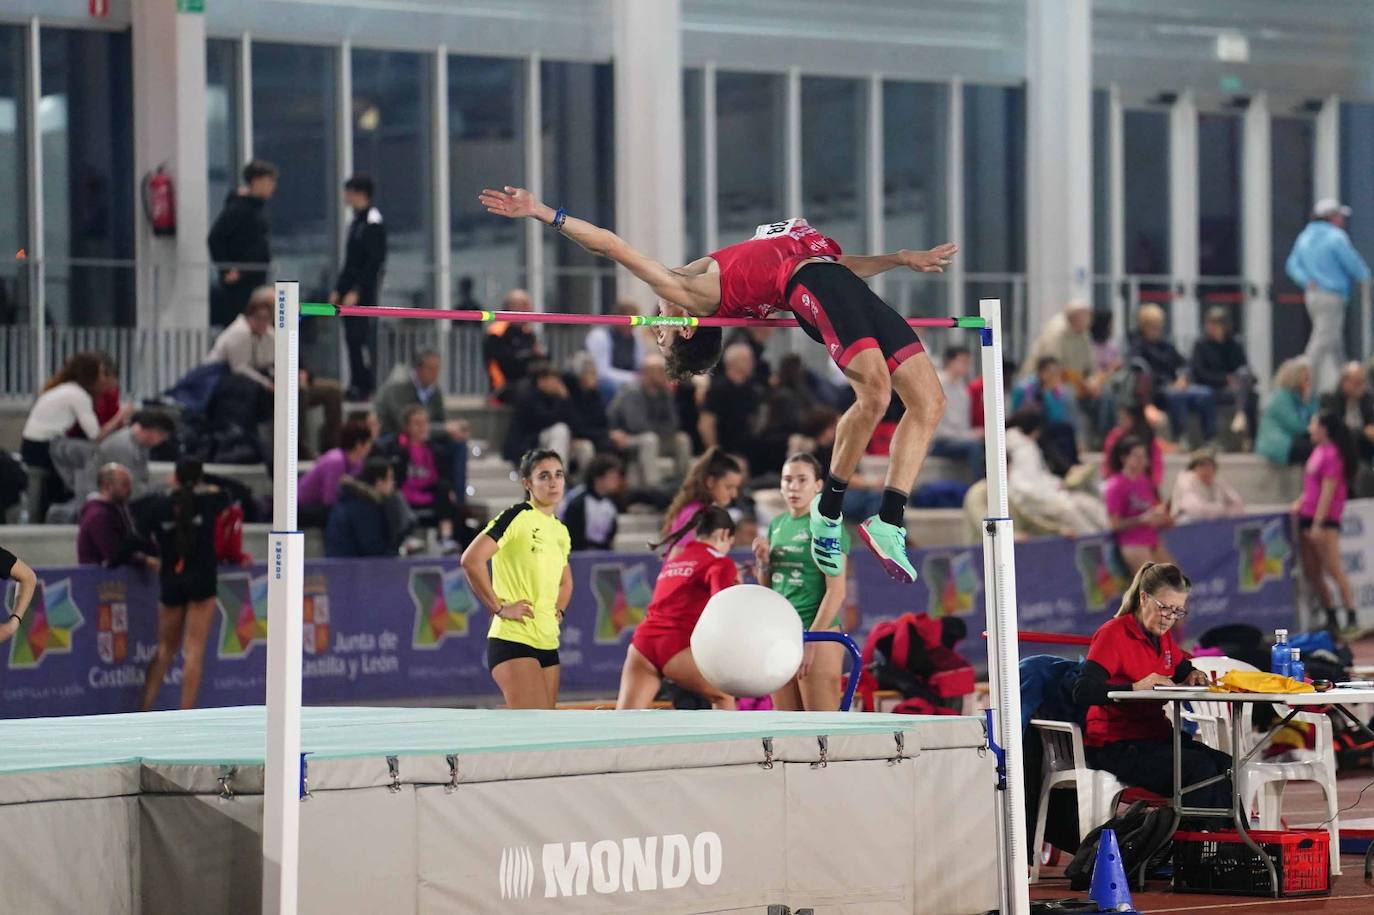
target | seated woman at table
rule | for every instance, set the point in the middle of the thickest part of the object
(1136, 650)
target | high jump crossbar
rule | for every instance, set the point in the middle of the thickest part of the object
(283, 763)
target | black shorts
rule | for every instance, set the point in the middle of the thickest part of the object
(839, 311)
(1305, 524)
(185, 589)
(501, 650)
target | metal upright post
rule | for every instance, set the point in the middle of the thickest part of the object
(999, 589)
(285, 577)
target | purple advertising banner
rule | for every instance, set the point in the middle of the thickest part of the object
(385, 629)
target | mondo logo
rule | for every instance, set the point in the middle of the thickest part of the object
(610, 866)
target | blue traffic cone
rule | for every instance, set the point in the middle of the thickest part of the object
(1110, 889)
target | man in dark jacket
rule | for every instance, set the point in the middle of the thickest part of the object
(591, 511)
(544, 417)
(358, 521)
(1173, 391)
(1219, 362)
(106, 535)
(360, 280)
(1353, 403)
(508, 348)
(242, 235)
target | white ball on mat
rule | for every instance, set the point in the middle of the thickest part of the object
(748, 641)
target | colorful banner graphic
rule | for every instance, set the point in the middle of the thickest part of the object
(378, 630)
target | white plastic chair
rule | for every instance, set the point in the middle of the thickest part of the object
(1066, 767)
(1262, 783)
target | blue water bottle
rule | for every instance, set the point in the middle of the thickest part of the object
(1280, 656)
(1296, 668)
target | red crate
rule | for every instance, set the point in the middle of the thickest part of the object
(1219, 862)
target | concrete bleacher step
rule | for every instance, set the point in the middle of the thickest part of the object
(1256, 480)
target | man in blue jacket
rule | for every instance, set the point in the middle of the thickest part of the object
(1326, 265)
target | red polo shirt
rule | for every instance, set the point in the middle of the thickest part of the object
(1125, 652)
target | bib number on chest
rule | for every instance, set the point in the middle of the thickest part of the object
(776, 229)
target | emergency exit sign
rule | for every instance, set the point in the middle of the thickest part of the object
(190, 6)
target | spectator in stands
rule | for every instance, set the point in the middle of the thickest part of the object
(130, 446)
(1172, 390)
(589, 399)
(12, 568)
(1036, 493)
(733, 408)
(1049, 394)
(1354, 404)
(358, 525)
(106, 534)
(591, 510)
(360, 282)
(427, 492)
(1199, 495)
(544, 417)
(714, 479)
(644, 423)
(508, 348)
(319, 488)
(466, 300)
(241, 241)
(1327, 480)
(1326, 266)
(183, 524)
(1106, 353)
(1134, 510)
(1283, 437)
(1132, 422)
(955, 436)
(1219, 362)
(1068, 338)
(756, 338)
(242, 396)
(68, 398)
(328, 395)
(618, 349)
(789, 399)
(415, 384)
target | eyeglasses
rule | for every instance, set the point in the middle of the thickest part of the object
(1166, 611)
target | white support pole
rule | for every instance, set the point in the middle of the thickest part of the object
(245, 100)
(873, 174)
(954, 193)
(710, 162)
(37, 250)
(999, 589)
(439, 152)
(1257, 231)
(534, 176)
(1116, 206)
(792, 130)
(1326, 158)
(343, 139)
(1183, 219)
(286, 572)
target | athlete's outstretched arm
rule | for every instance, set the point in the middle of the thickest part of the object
(515, 202)
(933, 261)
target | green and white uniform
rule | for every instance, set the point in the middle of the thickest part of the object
(793, 572)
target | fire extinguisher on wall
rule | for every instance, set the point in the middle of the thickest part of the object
(159, 201)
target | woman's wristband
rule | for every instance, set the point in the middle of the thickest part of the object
(16, 617)
(560, 216)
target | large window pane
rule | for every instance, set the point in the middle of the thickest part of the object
(13, 176)
(1357, 173)
(578, 121)
(995, 195)
(1219, 152)
(1146, 166)
(392, 99)
(915, 204)
(750, 159)
(222, 86)
(833, 159)
(294, 110)
(86, 119)
(486, 98)
(693, 208)
(1291, 186)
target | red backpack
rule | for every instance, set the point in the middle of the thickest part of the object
(229, 537)
(908, 654)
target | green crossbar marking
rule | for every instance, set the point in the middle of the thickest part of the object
(318, 309)
(663, 321)
(972, 322)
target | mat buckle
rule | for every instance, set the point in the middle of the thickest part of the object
(452, 785)
(824, 743)
(393, 766)
(900, 739)
(226, 779)
(767, 753)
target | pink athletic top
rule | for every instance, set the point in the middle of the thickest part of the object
(1324, 464)
(1130, 497)
(754, 273)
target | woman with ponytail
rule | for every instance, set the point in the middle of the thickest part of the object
(1136, 650)
(662, 643)
(1327, 480)
(183, 525)
(713, 480)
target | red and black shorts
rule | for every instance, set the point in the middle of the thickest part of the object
(839, 311)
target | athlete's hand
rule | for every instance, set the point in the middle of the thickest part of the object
(8, 629)
(518, 610)
(808, 658)
(761, 550)
(933, 261)
(512, 203)
(1151, 681)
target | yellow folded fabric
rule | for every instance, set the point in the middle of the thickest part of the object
(1257, 681)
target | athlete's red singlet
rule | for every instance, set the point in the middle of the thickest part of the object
(754, 273)
(685, 583)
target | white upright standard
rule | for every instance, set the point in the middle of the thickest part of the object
(286, 570)
(999, 590)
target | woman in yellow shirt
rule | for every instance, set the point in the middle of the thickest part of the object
(528, 587)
